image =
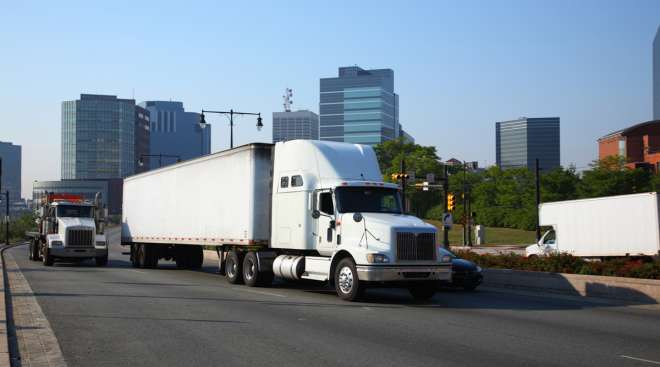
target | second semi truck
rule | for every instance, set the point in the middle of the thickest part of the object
(300, 209)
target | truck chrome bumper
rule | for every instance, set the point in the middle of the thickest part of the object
(391, 273)
(68, 252)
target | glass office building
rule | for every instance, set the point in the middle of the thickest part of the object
(359, 106)
(98, 137)
(11, 171)
(291, 125)
(518, 143)
(142, 138)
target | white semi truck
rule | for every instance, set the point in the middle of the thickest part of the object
(300, 209)
(613, 226)
(70, 229)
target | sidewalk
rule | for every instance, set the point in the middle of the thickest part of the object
(4, 343)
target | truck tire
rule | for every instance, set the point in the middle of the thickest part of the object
(422, 292)
(234, 268)
(347, 284)
(35, 251)
(134, 255)
(181, 256)
(251, 274)
(47, 258)
(150, 256)
(102, 260)
(140, 256)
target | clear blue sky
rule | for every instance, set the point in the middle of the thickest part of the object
(459, 66)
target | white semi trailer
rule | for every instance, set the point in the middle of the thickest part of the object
(297, 210)
(613, 226)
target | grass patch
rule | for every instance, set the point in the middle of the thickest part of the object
(494, 235)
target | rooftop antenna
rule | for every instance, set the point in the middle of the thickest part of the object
(288, 94)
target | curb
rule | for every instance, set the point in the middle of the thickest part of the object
(645, 291)
(4, 341)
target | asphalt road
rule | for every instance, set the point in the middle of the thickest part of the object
(118, 315)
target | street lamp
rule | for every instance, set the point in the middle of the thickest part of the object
(231, 113)
(160, 158)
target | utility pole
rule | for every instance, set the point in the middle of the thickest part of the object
(403, 185)
(537, 180)
(465, 216)
(445, 189)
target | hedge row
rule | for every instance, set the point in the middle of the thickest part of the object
(564, 263)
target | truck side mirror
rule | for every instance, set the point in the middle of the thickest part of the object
(316, 214)
(357, 217)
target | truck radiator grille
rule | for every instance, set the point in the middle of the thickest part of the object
(79, 238)
(415, 246)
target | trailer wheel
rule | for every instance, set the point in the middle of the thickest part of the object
(347, 284)
(196, 257)
(134, 255)
(234, 268)
(150, 256)
(47, 257)
(181, 256)
(422, 292)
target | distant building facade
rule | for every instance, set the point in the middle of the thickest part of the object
(656, 76)
(175, 132)
(98, 137)
(406, 137)
(142, 139)
(11, 170)
(111, 191)
(359, 106)
(291, 125)
(518, 143)
(639, 145)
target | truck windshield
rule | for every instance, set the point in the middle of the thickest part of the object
(368, 200)
(74, 211)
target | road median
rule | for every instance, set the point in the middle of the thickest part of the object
(645, 291)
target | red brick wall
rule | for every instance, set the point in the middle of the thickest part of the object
(608, 147)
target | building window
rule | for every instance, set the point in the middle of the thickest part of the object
(622, 147)
(284, 182)
(296, 181)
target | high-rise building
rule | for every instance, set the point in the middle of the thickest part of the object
(359, 106)
(520, 142)
(142, 139)
(656, 76)
(11, 170)
(175, 132)
(98, 137)
(289, 125)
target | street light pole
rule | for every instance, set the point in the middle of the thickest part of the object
(231, 113)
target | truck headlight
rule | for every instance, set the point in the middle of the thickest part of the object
(56, 243)
(100, 243)
(446, 259)
(377, 258)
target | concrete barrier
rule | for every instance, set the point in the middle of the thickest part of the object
(645, 291)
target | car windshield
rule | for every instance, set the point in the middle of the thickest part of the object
(76, 211)
(445, 252)
(368, 200)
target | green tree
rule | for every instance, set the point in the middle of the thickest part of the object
(610, 176)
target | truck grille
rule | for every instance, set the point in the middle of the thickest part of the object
(415, 246)
(79, 238)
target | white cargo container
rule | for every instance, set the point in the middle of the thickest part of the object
(299, 209)
(613, 226)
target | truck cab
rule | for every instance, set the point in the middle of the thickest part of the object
(545, 246)
(330, 203)
(69, 229)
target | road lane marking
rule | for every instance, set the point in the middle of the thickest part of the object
(261, 292)
(138, 271)
(640, 359)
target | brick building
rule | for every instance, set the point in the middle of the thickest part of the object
(639, 144)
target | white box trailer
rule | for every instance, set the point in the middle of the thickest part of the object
(300, 209)
(613, 226)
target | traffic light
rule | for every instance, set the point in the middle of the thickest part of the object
(399, 176)
(451, 202)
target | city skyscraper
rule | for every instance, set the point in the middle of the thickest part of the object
(11, 170)
(518, 143)
(290, 125)
(656, 76)
(98, 137)
(175, 132)
(142, 139)
(359, 106)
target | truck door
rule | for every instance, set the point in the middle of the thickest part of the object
(325, 224)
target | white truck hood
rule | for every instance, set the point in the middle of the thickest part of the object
(70, 222)
(394, 221)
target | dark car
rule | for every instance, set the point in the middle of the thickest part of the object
(465, 273)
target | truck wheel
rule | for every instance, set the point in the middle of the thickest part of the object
(102, 261)
(251, 274)
(347, 284)
(141, 257)
(234, 268)
(422, 292)
(35, 251)
(181, 256)
(134, 255)
(47, 257)
(150, 256)
(196, 257)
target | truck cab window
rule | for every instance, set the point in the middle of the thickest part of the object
(284, 182)
(325, 203)
(549, 238)
(296, 181)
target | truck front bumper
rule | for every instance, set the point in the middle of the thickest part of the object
(82, 253)
(395, 273)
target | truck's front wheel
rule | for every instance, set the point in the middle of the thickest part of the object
(347, 284)
(234, 268)
(102, 260)
(422, 292)
(47, 257)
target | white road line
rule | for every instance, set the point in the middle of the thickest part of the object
(640, 359)
(261, 292)
(138, 271)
